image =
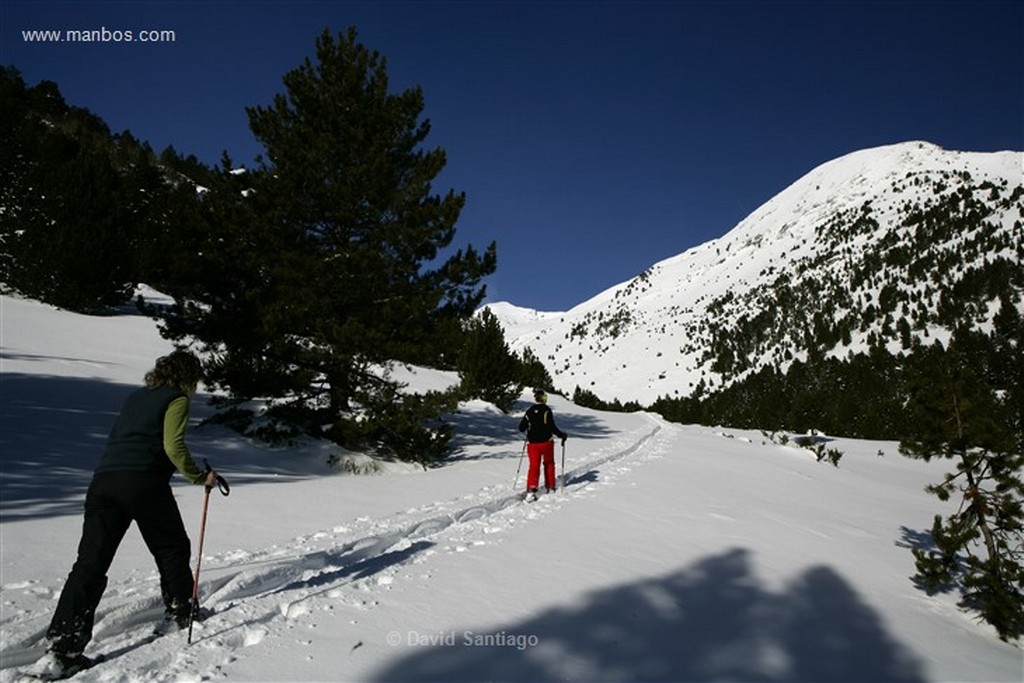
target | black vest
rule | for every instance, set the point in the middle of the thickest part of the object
(136, 442)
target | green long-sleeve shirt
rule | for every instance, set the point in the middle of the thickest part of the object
(175, 421)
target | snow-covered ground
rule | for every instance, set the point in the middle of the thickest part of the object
(676, 553)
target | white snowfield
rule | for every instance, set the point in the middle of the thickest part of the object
(674, 553)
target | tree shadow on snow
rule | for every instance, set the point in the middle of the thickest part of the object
(53, 431)
(493, 430)
(52, 434)
(713, 621)
(923, 540)
(913, 539)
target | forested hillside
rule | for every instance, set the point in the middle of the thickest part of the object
(301, 281)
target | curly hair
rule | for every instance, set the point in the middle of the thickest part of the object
(180, 369)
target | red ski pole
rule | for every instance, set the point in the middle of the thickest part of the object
(194, 606)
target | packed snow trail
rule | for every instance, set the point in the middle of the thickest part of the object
(254, 595)
(335, 554)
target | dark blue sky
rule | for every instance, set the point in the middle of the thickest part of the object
(592, 139)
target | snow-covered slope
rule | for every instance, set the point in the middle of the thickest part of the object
(676, 553)
(801, 269)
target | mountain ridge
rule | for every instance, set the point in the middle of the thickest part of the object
(822, 267)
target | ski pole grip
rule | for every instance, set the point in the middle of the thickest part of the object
(222, 483)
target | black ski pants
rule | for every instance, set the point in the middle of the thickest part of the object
(113, 502)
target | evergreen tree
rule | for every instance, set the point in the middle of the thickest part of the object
(77, 200)
(532, 371)
(324, 265)
(487, 368)
(959, 414)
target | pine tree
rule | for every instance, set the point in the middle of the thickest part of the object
(76, 200)
(965, 410)
(533, 373)
(323, 265)
(487, 368)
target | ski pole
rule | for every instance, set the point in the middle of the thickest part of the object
(520, 467)
(222, 484)
(561, 489)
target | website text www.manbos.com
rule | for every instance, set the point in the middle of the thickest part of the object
(99, 35)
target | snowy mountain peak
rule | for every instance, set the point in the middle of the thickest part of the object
(798, 272)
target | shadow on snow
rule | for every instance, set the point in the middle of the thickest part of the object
(712, 621)
(495, 429)
(53, 431)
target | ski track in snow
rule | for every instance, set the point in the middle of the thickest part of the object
(256, 595)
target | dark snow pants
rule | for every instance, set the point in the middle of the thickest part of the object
(113, 502)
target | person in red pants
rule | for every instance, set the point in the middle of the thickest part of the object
(539, 425)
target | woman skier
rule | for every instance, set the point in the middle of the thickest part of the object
(132, 483)
(539, 425)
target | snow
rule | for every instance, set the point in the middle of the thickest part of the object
(676, 553)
